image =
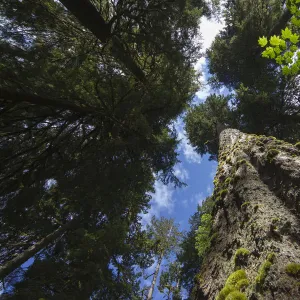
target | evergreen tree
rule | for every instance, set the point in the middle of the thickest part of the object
(82, 136)
(263, 101)
(170, 281)
(188, 256)
(165, 237)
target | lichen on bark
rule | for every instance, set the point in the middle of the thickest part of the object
(257, 207)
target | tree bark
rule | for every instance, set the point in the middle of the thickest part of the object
(257, 194)
(151, 290)
(90, 18)
(15, 263)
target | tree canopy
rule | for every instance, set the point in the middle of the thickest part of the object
(86, 103)
(261, 99)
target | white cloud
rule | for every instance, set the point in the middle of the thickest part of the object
(208, 30)
(162, 197)
(187, 149)
(197, 198)
(181, 173)
(161, 201)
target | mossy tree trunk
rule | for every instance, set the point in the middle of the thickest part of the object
(255, 252)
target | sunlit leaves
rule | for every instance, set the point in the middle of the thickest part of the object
(283, 49)
(294, 38)
(269, 53)
(203, 238)
(286, 33)
(263, 41)
(275, 40)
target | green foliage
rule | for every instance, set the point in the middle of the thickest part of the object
(188, 256)
(297, 145)
(284, 48)
(168, 281)
(232, 58)
(165, 235)
(293, 269)
(205, 121)
(203, 239)
(82, 138)
(241, 256)
(262, 96)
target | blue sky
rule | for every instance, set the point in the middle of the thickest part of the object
(197, 172)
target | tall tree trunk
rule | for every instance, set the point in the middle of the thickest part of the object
(15, 263)
(151, 290)
(90, 18)
(256, 225)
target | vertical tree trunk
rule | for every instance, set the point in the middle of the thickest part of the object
(255, 252)
(151, 290)
(90, 18)
(15, 263)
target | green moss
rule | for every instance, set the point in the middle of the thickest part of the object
(271, 257)
(271, 154)
(245, 204)
(235, 179)
(226, 290)
(198, 279)
(297, 145)
(275, 220)
(235, 282)
(223, 193)
(243, 283)
(214, 237)
(264, 270)
(260, 144)
(263, 273)
(293, 269)
(241, 162)
(228, 180)
(216, 182)
(236, 295)
(235, 277)
(241, 256)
